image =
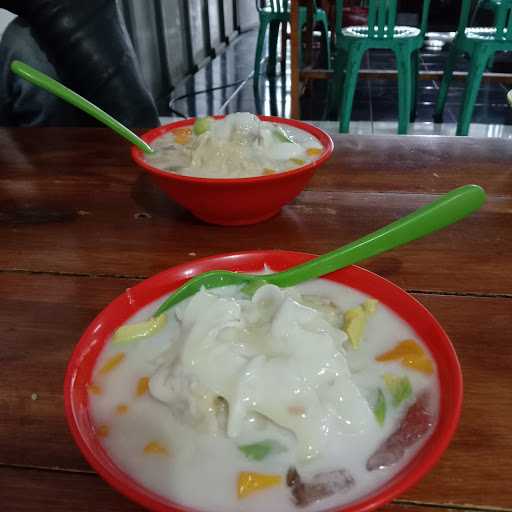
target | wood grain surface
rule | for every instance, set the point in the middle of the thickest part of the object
(90, 211)
(25, 490)
(79, 223)
(43, 317)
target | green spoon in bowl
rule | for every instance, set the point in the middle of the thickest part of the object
(448, 209)
(49, 84)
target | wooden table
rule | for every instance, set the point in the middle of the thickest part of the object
(79, 224)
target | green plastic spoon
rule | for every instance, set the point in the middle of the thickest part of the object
(49, 84)
(448, 209)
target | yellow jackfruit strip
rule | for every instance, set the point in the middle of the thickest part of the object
(249, 482)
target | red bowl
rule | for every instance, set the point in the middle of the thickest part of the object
(82, 362)
(232, 202)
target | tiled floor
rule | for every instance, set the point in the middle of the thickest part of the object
(228, 82)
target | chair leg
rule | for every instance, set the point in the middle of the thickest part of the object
(445, 84)
(272, 47)
(303, 19)
(414, 83)
(259, 52)
(272, 94)
(335, 86)
(403, 59)
(325, 37)
(284, 36)
(478, 62)
(349, 85)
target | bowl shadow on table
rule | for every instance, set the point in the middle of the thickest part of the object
(153, 201)
(14, 213)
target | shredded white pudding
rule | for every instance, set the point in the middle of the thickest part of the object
(237, 146)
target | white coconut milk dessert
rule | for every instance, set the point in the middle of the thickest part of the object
(237, 146)
(300, 398)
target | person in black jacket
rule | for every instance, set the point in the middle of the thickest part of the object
(82, 44)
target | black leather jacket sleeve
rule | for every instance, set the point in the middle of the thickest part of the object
(87, 43)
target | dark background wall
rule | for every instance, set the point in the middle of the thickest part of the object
(174, 38)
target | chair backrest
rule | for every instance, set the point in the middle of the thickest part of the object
(273, 5)
(277, 5)
(502, 17)
(382, 17)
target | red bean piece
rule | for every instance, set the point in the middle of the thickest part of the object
(415, 424)
(321, 485)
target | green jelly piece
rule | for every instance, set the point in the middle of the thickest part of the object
(380, 408)
(399, 387)
(258, 451)
(202, 125)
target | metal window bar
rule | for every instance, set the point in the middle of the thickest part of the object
(207, 40)
(222, 24)
(163, 49)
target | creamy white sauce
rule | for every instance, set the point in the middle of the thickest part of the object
(238, 146)
(223, 346)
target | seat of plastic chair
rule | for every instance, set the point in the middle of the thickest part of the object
(399, 32)
(286, 11)
(484, 34)
(269, 10)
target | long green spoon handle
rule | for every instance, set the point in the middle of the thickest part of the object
(446, 210)
(49, 84)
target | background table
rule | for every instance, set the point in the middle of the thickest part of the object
(79, 224)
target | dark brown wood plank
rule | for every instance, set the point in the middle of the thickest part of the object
(472, 471)
(436, 164)
(43, 316)
(25, 490)
(89, 211)
(77, 232)
(52, 162)
(42, 321)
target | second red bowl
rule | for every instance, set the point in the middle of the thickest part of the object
(232, 202)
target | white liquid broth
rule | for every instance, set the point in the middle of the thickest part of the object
(200, 469)
(238, 146)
